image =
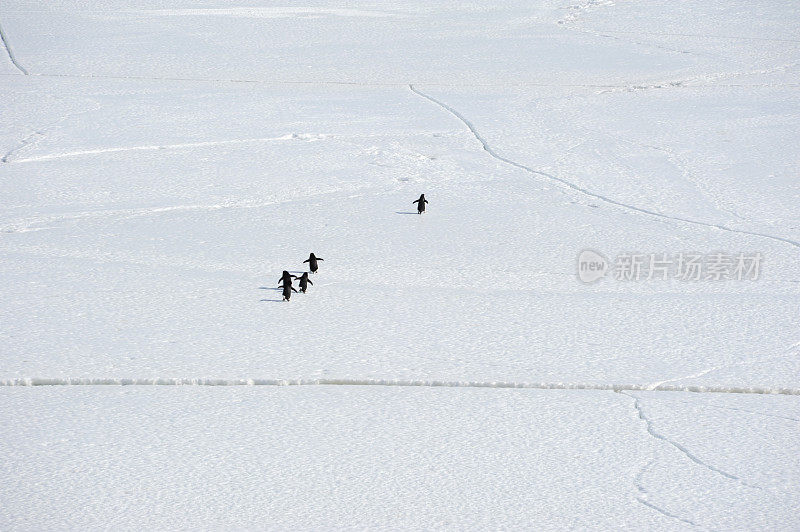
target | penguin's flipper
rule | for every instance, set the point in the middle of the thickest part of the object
(294, 289)
(319, 258)
(309, 281)
(415, 201)
(306, 261)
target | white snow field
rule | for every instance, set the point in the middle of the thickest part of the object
(162, 162)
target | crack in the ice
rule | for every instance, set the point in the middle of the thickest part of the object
(666, 513)
(25, 225)
(10, 52)
(575, 11)
(754, 412)
(587, 31)
(642, 499)
(30, 140)
(156, 147)
(637, 480)
(788, 352)
(684, 377)
(706, 80)
(683, 167)
(568, 184)
(347, 381)
(657, 435)
(39, 134)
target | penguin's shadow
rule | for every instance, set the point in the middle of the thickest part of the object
(277, 289)
(405, 212)
(273, 300)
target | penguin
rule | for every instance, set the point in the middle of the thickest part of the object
(287, 291)
(286, 278)
(420, 203)
(304, 282)
(312, 263)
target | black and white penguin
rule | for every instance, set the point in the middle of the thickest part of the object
(287, 291)
(312, 263)
(420, 203)
(304, 282)
(286, 278)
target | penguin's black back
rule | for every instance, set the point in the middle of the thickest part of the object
(286, 278)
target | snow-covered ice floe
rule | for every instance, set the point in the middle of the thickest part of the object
(160, 165)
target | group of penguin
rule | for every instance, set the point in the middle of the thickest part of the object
(285, 282)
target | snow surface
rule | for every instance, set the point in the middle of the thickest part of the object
(163, 162)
